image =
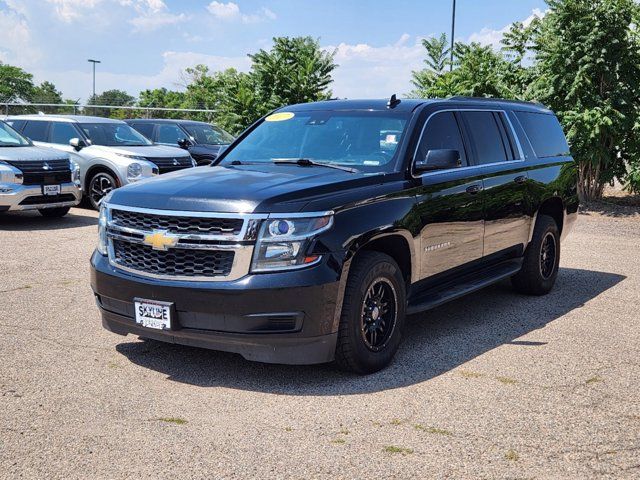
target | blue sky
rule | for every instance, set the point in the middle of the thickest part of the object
(148, 43)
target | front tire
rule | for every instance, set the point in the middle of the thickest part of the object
(99, 186)
(541, 259)
(57, 212)
(373, 313)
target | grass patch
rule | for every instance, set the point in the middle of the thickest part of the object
(288, 429)
(396, 422)
(468, 374)
(338, 441)
(344, 431)
(506, 380)
(392, 449)
(434, 430)
(592, 380)
(512, 455)
(174, 420)
(113, 365)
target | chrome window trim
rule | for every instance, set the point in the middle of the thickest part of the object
(449, 170)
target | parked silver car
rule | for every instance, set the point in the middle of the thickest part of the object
(110, 153)
(34, 178)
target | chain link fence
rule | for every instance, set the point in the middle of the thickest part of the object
(112, 111)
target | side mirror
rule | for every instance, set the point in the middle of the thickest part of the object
(441, 159)
(77, 143)
(184, 143)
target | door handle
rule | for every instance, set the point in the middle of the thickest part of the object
(473, 189)
(520, 179)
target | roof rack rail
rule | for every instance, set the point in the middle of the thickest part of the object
(490, 99)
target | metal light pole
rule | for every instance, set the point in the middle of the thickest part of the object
(94, 79)
(453, 32)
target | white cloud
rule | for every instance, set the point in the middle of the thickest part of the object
(488, 36)
(366, 71)
(152, 15)
(230, 12)
(16, 43)
(76, 84)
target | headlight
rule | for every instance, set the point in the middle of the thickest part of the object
(9, 174)
(132, 157)
(134, 171)
(75, 172)
(283, 242)
(102, 228)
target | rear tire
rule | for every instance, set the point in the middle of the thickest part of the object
(373, 313)
(54, 212)
(541, 259)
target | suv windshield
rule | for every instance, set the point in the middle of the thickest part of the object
(114, 135)
(365, 140)
(10, 138)
(208, 134)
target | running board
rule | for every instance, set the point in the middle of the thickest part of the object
(440, 294)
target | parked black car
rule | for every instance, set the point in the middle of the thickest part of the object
(203, 140)
(326, 223)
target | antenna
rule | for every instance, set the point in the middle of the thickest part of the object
(393, 101)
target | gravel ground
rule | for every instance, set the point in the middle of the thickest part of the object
(495, 385)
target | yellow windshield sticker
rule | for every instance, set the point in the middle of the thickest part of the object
(279, 117)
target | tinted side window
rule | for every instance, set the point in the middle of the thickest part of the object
(545, 134)
(62, 132)
(36, 130)
(486, 137)
(144, 128)
(17, 125)
(441, 132)
(170, 134)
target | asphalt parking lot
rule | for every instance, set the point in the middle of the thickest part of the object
(494, 385)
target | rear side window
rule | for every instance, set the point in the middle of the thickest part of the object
(144, 128)
(170, 134)
(486, 137)
(441, 132)
(61, 133)
(17, 125)
(36, 130)
(545, 134)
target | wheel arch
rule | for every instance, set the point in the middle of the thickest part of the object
(399, 246)
(98, 168)
(552, 207)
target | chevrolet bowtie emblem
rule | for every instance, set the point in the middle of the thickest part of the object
(161, 240)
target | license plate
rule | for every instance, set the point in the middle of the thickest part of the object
(152, 314)
(51, 189)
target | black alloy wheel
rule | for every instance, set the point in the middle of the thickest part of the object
(99, 186)
(378, 317)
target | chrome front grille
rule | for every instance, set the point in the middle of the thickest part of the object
(173, 263)
(200, 246)
(189, 225)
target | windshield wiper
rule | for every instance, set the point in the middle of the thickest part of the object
(305, 162)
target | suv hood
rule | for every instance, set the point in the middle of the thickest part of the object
(30, 153)
(241, 189)
(147, 151)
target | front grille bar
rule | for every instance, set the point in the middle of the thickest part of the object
(241, 243)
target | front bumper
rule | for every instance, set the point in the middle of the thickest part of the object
(288, 318)
(30, 197)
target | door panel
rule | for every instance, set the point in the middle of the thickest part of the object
(505, 201)
(452, 222)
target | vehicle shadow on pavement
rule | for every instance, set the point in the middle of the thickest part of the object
(33, 221)
(435, 342)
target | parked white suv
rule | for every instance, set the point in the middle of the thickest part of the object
(34, 178)
(110, 153)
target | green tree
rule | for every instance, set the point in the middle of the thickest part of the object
(588, 61)
(161, 98)
(294, 70)
(46, 92)
(111, 97)
(15, 84)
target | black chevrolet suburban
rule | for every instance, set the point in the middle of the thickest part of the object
(325, 224)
